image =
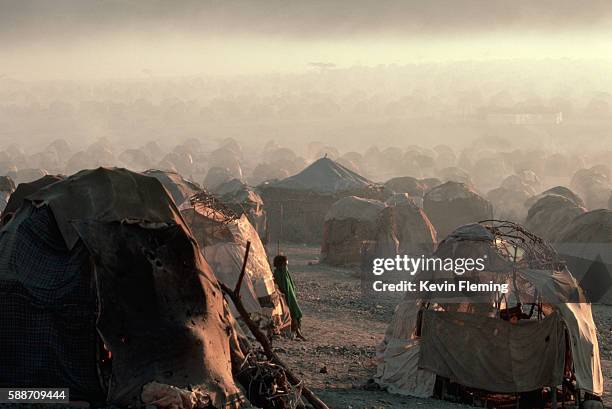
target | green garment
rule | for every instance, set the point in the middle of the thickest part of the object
(285, 285)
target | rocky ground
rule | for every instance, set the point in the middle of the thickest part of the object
(343, 328)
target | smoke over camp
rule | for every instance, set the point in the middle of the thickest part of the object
(201, 203)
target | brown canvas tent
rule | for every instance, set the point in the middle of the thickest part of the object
(491, 344)
(296, 206)
(104, 290)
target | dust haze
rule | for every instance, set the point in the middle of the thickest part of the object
(348, 75)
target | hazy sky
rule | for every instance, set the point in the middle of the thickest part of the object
(87, 38)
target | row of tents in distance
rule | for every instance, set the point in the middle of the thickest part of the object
(155, 239)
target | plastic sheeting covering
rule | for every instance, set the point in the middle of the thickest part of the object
(226, 260)
(398, 357)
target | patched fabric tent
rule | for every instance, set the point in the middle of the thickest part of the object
(296, 206)
(223, 236)
(483, 345)
(509, 204)
(453, 204)
(104, 290)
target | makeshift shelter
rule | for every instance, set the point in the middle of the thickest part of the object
(492, 348)
(180, 189)
(103, 290)
(585, 243)
(223, 236)
(296, 206)
(242, 199)
(550, 215)
(453, 204)
(351, 225)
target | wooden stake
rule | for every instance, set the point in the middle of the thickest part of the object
(263, 339)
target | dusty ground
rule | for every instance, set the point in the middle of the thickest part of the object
(343, 329)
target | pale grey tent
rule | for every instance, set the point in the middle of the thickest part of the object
(453, 204)
(296, 206)
(492, 345)
(550, 215)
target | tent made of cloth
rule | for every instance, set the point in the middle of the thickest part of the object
(223, 238)
(104, 258)
(468, 342)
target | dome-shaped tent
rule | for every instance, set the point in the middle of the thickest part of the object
(82, 274)
(435, 338)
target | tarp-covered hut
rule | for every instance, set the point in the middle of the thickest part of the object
(296, 206)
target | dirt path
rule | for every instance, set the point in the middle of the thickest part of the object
(343, 329)
(342, 332)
